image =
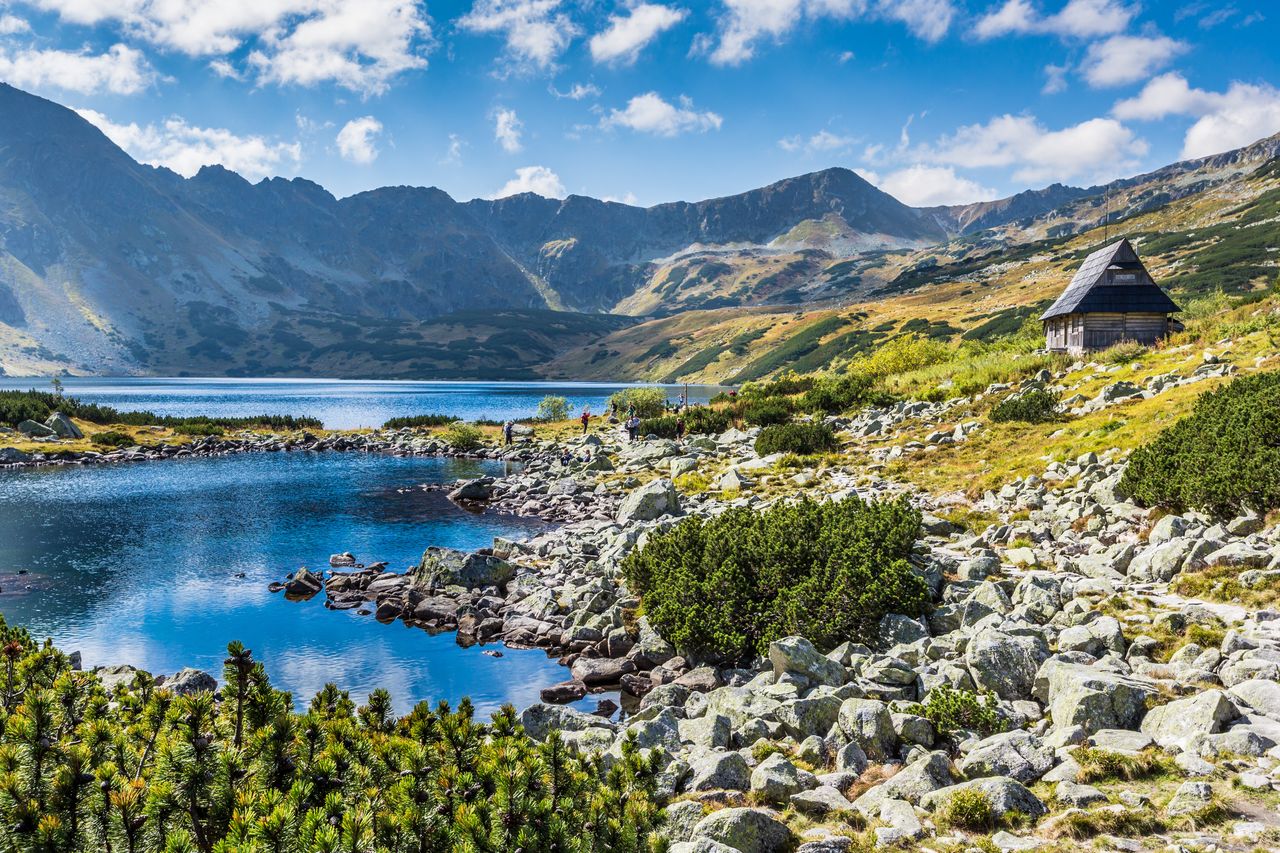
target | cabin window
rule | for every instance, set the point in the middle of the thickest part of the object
(1127, 277)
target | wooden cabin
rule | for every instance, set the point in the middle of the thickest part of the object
(1112, 298)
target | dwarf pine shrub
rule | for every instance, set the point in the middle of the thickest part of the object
(726, 587)
(1033, 407)
(952, 710)
(142, 770)
(767, 411)
(804, 439)
(699, 421)
(1222, 458)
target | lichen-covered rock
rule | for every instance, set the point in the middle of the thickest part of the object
(1004, 663)
(868, 723)
(1019, 755)
(652, 500)
(745, 830)
(798, 656)
(1004, 794)
(441, 567)
(1202, 714)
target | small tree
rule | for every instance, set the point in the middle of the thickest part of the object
(57, 387)
(649, 401)
(553, 408)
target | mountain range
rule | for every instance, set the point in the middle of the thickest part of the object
(111, 266)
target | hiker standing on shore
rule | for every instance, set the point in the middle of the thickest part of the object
(586, 420)
(508, 430)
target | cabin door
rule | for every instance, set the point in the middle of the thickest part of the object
(1075, 331)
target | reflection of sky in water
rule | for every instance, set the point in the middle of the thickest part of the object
(339, 404)
(137, 564)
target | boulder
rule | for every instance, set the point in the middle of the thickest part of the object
(479, 489)
(1005, 664)
(1092, 698)
(1263, 695)
(797, 656)
(541, 719)
(598, 672)
(13, 456)
(927, 773)
(821, 801)
(441, 567)
(187, 681)
(304, 584)
(1018, 754)
(775, 779)
(868, 723)
(34, 429)
(1189, 798)
(719, 771)
(1004, 794)
(1178, 721)
(63, 426)
(652, 500)
(745, 830)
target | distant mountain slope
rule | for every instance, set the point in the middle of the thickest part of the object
(110, 266)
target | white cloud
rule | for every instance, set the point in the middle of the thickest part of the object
(822, 142)
(185, 148)
(357, 44)
(122, 70)
(11, 24)
(649, 113)
(453, 155)
(577, 92)
(929, 186)
(1127, 59)
(1055, 79)
(747, 22)
(1244, 113)
(357, 141)
(628, 199)
(536, 32)
(533, 179)
(1077, 19)
(1096, 150)
(628, 34)
(507, 129)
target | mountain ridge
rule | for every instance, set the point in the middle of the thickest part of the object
(134, 268)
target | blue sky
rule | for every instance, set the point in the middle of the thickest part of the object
(936, 101)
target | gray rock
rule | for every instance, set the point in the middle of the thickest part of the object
(927, 773)
(868, 723)
(63, 426)
(1019, 755)
(775, 779)
(442, 567)
(1080, 796)
(1092, 698)
(1190, 797)
(541, 719)
(896, 628)
(1004, 794)
(821, 801)
(1263, 695)
(719, 771)
(798, 656)
(1004, 663)
(745, 830)
(35, 429)
(652, 500)
(1174, 723)
(187, 681)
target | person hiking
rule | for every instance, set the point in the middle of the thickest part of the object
(633, 427)
(586, 420)
(508, 430)
(679, 429)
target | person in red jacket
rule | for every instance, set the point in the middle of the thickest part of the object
(586, 420)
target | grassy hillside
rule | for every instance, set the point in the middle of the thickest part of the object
(1224, 239)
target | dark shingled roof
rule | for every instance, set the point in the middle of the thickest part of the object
(1089, 291)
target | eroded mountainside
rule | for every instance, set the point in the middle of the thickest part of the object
(110, 266)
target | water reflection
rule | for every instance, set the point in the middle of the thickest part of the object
(139, 564)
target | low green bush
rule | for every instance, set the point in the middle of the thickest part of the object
(648, 401)
(1033, 407)
(17, 406)
(463, 437)
(113, 438)
(767, 411)
(802, 438)
(699, 421)
(1221, 458)
(960, 710)
(725, 587)
(415, 421)
(969, 809)
(198, 429)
